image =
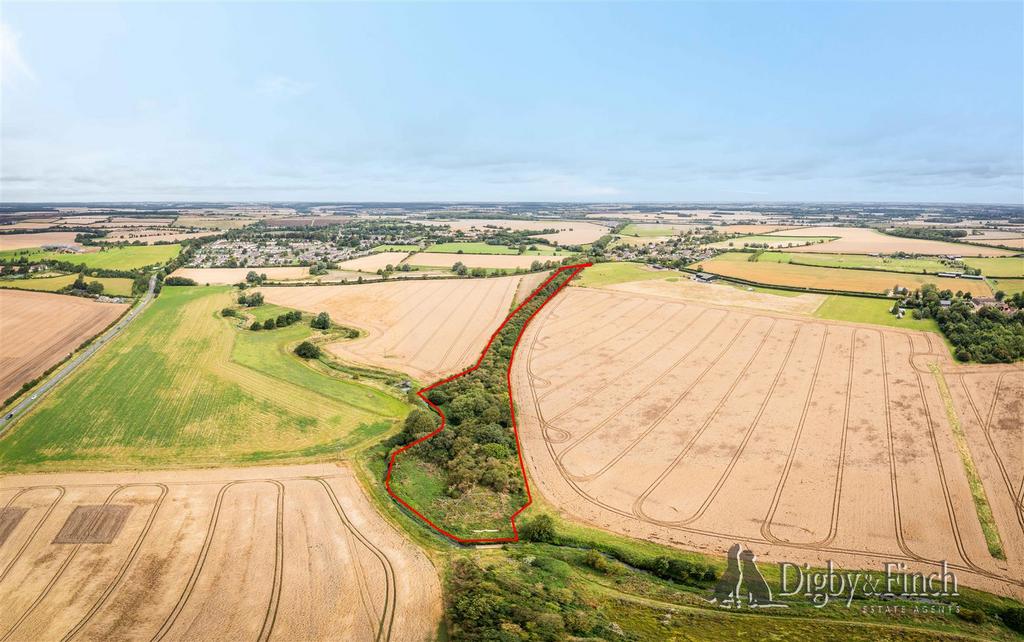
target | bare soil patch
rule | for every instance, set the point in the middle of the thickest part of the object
(38, 329)
(425, 328)
(807, 440)
(93, 524)
(288, 553)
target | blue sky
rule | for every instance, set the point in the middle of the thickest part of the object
(580, 101)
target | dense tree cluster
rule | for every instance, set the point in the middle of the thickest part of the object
(321, 321)
(477, 448)
(988, 335)
(179, 280)
(307, 350)
(250, 300)
(928, 233)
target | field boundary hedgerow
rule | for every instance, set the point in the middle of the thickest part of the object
(575, 269)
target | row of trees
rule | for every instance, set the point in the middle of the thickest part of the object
(478, 447)
(282, 320)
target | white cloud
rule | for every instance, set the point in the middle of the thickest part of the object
(12, 63)
(282, 86)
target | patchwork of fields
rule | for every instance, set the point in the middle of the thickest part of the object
(806, 440)
(425, 328)
(737, 265)
(184, 386)
(860, 240)
(285, 553)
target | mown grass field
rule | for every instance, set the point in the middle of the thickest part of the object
(864, 310)
(602, 274)
(130, 257)
(185, 387)
(998, 266)
(111, 286)
(918, 265)
(738, 265)
(484, 248)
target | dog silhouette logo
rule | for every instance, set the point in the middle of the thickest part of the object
(742, 584)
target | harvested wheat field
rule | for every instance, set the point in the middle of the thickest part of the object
(38, 329)
(805, 276)
(860, 240)
(22, 241)
(425, 328)
(806, 440)
(502, 261)
(569, 232)
(373, 262)
(230, 276)
(284, 553)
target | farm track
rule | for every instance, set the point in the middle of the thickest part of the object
(559, 441)
(381, 612)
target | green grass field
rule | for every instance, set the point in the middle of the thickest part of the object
(918, 265)
(396, 248)
(111, 286)
(1001, 266)
(864, 310)
(185, 387)
(484, 248)
(602, 274)
(131, 257)
(1009, 286)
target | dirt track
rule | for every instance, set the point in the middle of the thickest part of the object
(807, 440)
(286, 553)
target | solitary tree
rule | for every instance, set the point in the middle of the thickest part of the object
(307, 350)
(321, 321)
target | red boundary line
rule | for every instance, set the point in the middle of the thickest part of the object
(576, 269)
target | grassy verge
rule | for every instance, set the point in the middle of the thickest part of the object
(981, 505)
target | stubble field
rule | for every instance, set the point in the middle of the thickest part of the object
(502, 261)
(425, 328)
(701, 426)
(286, 553)
(736, 265)
(859, 240)
(38, 329)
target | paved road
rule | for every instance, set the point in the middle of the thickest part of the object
(21, 408)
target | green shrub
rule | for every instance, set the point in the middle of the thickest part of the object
(307, 350)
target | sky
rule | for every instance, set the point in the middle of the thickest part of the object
(620, 102)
